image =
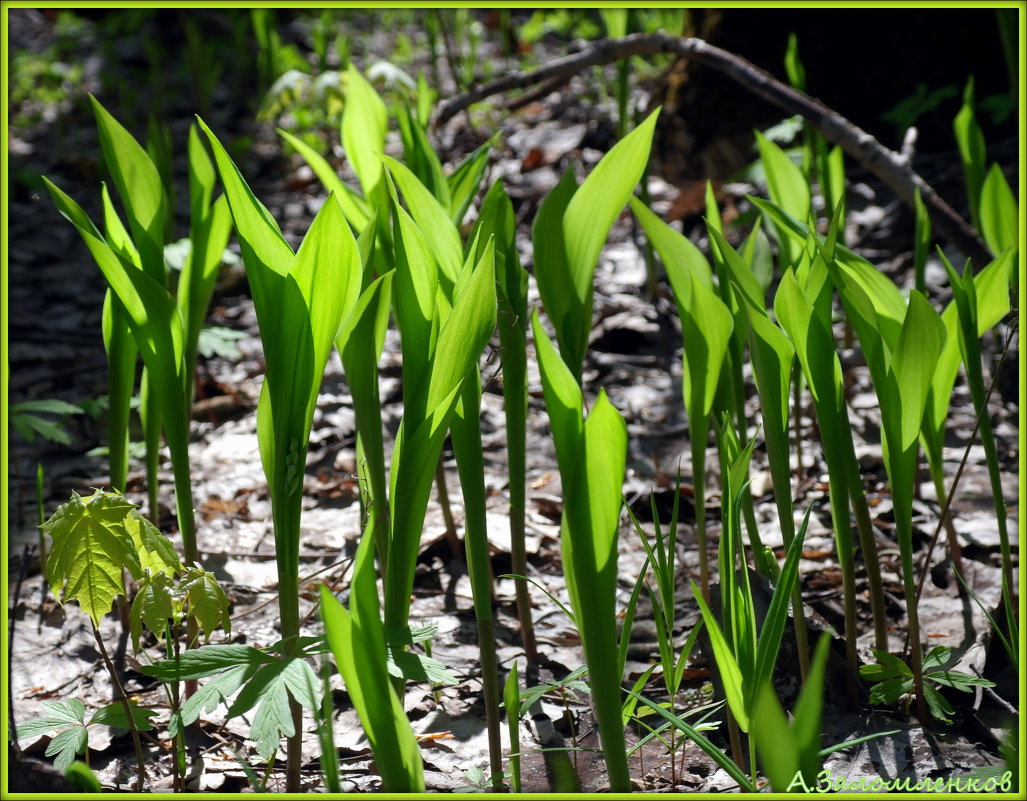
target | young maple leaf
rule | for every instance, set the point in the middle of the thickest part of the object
(93, 539)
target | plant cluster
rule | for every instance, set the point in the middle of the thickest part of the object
(393, 251)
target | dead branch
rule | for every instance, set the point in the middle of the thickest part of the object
(882, 162)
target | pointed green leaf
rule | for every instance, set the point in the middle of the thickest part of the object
(432, 219)
(140, 188)
(679, 256)
(775, 741)
(705, 329)
(972, 150)
(998, 212)
(729, 670)
(777, 615)
(466, 179)
(600, 200)
(357, 212)
(912, 368)
(152, 313)
(357, 641)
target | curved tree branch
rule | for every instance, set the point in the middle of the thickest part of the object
(884, 163)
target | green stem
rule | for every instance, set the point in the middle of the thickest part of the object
(286, 517)
(466, 434)
(179, 447)
(868, 545)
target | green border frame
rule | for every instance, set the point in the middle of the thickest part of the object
(4, 454)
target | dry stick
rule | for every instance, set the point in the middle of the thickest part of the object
(447, 509)
(884, 163)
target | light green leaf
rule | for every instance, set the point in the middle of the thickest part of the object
(777, 615)
(90, 547)
(972, 150)
(152, 315)
(140, 187)
(466, 179)
(729, 671)
(680, 257)
(207, 602)
(81, 777)
(439, 231)
(357, 641)
(600, 200)
(153, 606)
(155, 551)
(364, 122)
(357, 212)
(912, 368)
(775, 741)
(998, 212)
(788, 189)
(706, 329)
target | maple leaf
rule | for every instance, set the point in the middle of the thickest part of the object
(207, 602)
(90, 547)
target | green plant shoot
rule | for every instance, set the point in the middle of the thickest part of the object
(591, 456)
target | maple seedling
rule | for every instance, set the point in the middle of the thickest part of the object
(94, 541)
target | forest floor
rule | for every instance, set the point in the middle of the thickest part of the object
(55, 349)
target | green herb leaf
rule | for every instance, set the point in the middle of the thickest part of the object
(888, 692)
(55, 715)
(114, 715)
(937, 704)
(197, 663)
(66, 745)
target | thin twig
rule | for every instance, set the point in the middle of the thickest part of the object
(887, 165)
(123, 697)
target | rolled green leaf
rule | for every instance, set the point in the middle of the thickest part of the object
(569, 231)
(357, 640)
(591, 455)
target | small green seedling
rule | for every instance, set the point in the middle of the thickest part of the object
(591, 456)
(894, 680)
(68, 720)
(95, 541)
(357, 640)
